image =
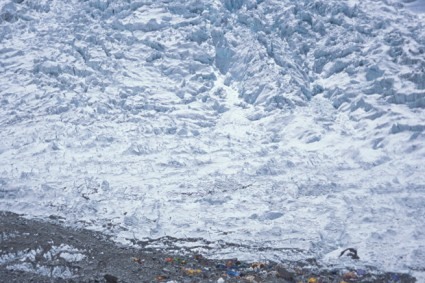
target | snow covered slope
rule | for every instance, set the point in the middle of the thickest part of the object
(417, 6)
(257, 128)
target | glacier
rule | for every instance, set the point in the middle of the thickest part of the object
(251, 128)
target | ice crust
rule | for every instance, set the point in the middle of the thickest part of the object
(29, 258)
(274, 125)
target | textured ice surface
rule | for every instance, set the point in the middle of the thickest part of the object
(247, 125)
(35, 260)
(417, 6)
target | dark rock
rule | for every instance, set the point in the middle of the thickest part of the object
(284, 273)
(110, 278)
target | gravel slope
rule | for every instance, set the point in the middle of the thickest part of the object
(37, 251)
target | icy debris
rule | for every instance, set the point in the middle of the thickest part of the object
(72, 257)
(30, 260)
(4, 236)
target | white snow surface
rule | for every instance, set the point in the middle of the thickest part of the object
(258, 129)
(417, 6)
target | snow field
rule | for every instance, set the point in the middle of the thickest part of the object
(292, 128)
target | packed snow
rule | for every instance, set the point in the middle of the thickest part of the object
(259, 129)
